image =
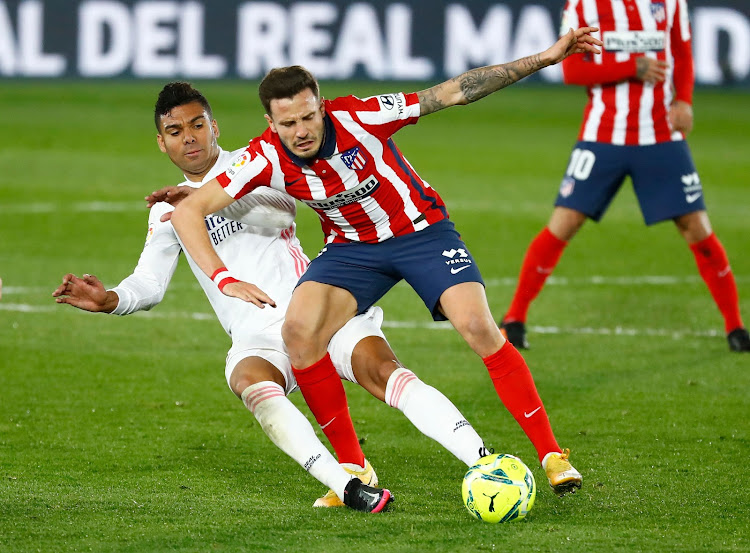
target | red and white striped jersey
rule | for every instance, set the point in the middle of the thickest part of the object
(360, 184)
(622, 109)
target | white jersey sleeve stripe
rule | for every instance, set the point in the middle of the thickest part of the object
(374, 146)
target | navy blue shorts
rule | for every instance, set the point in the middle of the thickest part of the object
(664, 179)
(430, 260)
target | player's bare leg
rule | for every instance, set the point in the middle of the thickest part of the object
(465, 305)
(540, 260)
(260, 385)
(315, 313)
(713, 266)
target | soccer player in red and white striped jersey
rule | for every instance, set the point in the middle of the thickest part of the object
(382, 222)
(639, 112)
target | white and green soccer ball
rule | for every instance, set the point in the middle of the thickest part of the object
(499, 488)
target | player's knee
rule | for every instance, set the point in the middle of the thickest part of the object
(298, 336)
(480, 332)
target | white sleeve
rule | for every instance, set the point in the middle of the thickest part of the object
(263, 207)
(145, 288)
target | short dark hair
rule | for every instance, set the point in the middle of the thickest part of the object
(285, 82)
(178, 93)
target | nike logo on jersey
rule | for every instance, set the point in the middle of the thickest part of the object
(690, 198)
(528, 415)
(455, 270)
(290, 183)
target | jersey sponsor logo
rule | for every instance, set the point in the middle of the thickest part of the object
(354, 159)
(658, 11)
(691, 187)
(387, 101)
(634, 42)
(219, 228)
(458, 260)
(691, 181)
(452, 253)
(363, 190)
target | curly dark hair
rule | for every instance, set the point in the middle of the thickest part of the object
(175, 94)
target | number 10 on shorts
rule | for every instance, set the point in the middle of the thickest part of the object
(581, 163)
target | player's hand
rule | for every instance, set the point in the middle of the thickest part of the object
(249, 293)
(650, 70)
(573, 42)
(170, 194)
(87, 293)
(681, 116)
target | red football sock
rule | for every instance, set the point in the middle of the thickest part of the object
(713, 265)
(538, 263)
(515, 386)
(322, 389)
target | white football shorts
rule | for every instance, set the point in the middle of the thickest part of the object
(271, 348)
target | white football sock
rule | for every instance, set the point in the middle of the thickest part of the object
(433, 414)
(291, 432)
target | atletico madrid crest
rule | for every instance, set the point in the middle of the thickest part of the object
(354, 159)
(659, 11)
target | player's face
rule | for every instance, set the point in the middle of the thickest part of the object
(299, 123)
(188, 136)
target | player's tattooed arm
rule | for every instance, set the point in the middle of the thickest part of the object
(478, 83)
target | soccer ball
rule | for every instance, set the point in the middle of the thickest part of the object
(499, 488)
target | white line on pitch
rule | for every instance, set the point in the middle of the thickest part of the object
(78, 207)
(598, 280)
(676, 334)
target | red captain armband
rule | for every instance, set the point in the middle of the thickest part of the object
(222, 277)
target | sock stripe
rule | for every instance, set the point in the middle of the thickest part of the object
(257, 393)
(401, 381)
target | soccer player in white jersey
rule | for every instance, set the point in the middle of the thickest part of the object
(259, 243)
(632, 125)
(382, 222)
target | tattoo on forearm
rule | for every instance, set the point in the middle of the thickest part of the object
(429, 102)
(478, 83)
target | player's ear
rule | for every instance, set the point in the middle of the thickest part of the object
(160, 142)
(322, 107)
(215, 128)
(270, 123)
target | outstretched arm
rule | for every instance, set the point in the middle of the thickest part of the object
(86, 293)
(482, 81)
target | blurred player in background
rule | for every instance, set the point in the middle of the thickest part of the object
(639, 111)
(259, 243)
(382, 223)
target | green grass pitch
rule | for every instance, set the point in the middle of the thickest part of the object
(120, 434)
